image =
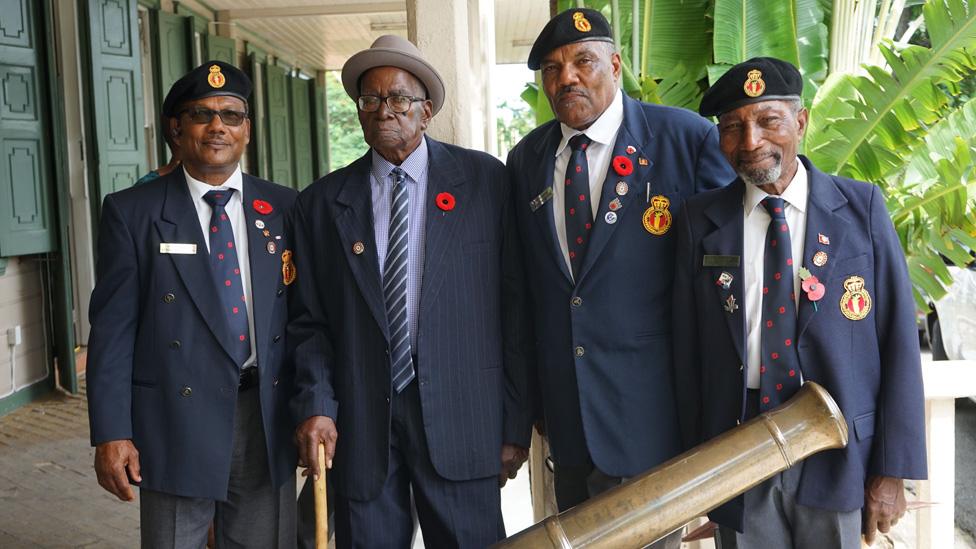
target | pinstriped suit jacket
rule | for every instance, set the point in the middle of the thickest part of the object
(472, 337)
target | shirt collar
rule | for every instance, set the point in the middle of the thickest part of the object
(415, 165)
(795, 194)
(199, 188)
(603, 130)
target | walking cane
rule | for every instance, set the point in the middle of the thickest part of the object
(321, 505)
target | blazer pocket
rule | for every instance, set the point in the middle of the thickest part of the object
(850, 266)
(651, 334)
(864, 426)
(143, 383)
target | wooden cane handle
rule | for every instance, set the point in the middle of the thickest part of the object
(321, 505)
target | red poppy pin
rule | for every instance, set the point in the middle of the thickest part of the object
(622, 165)
(262, 207)
(812, 286)
(445, 201)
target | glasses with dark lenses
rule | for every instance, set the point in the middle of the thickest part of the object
(204, 116)
(397, 103)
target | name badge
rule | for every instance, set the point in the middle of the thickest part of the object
(177, 248)
(544, 196)
(720, 261)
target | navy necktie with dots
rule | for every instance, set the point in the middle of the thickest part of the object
(579, 214)
(227, 273)
(779, 365)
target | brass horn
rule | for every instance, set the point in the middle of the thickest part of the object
(658, 502)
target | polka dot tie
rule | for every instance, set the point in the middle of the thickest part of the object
(779, 365)
(227, 273)
(579, 215)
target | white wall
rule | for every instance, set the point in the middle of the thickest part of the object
(22, 303)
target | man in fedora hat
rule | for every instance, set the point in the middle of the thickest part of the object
(595, 191)
(795, 275)
(188, 388)
(409, 343)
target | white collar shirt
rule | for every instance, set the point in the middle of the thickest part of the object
(755, 223)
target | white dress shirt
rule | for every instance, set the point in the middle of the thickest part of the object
(756, 222)
(603, 133)
(238, 223)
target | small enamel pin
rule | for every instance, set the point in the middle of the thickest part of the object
(730, 304)
(542, 198)
(823, 239)
(259, 223)
(724, 280)
(820, 258)
(358, 248)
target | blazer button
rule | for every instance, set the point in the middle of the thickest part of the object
(186, 391)
(276, 339)
(742, 367)
(175, 344)
(169, 298)
(577, 301)
(274, 382)
(580, 351)
(279, 292)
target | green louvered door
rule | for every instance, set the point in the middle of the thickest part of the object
(116, 115)
(302, 131)
(221, 49)
(174, 51)
(321, 131)
(26, 212)
(279, 124)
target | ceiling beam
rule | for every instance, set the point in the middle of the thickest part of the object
(359, 8)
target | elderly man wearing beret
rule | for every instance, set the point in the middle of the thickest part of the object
(187, 384)
(409, 341)
(793, 275)
(595, 192)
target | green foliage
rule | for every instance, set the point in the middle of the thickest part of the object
(513, 122)
(345, 135)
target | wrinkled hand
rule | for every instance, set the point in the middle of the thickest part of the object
(307, 437)
(884, 504)
(116, 462)
(512, 459)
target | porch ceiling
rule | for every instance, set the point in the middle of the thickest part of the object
(322, 34)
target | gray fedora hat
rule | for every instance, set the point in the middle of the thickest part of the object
(393, 51)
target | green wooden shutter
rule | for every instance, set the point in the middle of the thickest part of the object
(174, 50)
(220, 48)
(115, 81)
(259, 115)
(302, 131)
(321, 130)
(26, 204)
(279, 124)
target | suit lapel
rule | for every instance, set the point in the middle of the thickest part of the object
(726, 239)
(354, 223)
(635, 133)
(265, 266)
(545, 217)
(444, 175)
(824, 200)
(179, 223)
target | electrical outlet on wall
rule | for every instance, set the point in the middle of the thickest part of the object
(14, 336)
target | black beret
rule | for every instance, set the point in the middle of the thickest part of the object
(572, 25)
(209, 79)
(755, 80)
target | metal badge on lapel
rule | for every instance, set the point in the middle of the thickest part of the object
(358, 248)
(631, 149)
(544, 196)
(724, 280)
(855, 304)
(615, 204)
(820, 258)
(621, 188)
(657, 217)
(731, 305)
(642, 161)
(259, 223)
(823, 239)
(288, 272)
(610, 218)
(272, 247)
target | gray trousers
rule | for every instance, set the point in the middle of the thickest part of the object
(773, 519)
(574, 485)
(255, 514)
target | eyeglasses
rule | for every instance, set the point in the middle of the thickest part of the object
(204, 116)
(397, 103)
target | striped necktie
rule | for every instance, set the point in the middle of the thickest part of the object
(395, 284)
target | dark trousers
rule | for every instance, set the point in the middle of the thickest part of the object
(451, 513)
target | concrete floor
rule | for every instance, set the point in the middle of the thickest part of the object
(49, 496)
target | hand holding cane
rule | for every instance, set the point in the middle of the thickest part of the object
(321, 504)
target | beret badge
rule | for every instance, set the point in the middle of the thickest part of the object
(754, 86)
(581, 23)
(216, 78)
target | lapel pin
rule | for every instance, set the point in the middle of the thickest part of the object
(610, 218)
(820, 258)
(812, 286)
(642, 161)
(823, 239)
(272, 247)
(622, 188)
(445, 201)
(541, 199)
(266, 232)
(259, 223)
(622, 165)
(277, 237)
(615, 204)
(724, 280)
(262, 207)
(631, 149)
(358, 248)
(731, 305)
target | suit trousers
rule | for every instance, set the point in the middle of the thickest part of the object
(452, 514)
(574, 485)
(255, 514)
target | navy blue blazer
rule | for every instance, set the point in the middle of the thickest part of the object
(871, 367)
(471, 340)
(160, 370)
(604, 360)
